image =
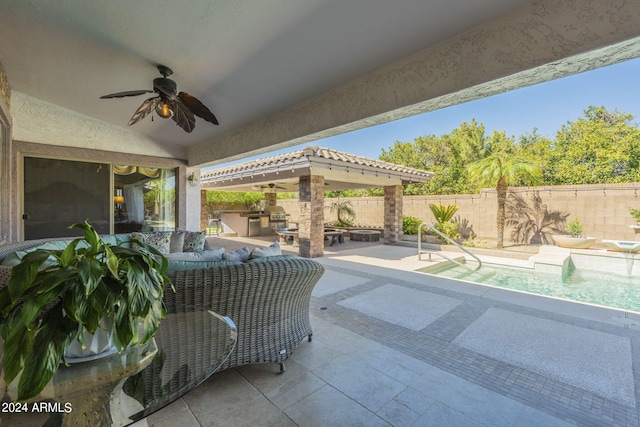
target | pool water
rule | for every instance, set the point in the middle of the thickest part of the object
(611, 290)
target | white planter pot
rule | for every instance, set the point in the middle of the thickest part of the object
(566, 241)
(98, 345)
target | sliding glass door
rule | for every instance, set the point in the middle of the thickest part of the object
(144, 199)
(58, 193)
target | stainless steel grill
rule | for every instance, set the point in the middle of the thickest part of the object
(276, 213)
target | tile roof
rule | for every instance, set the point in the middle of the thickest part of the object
(311, 152)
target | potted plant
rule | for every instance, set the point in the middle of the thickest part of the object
(574, 238)
(54, 297)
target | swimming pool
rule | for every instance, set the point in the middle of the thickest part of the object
(588, 286)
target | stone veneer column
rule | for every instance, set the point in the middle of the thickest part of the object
(392, 214)
(270, 199)
(311, 220)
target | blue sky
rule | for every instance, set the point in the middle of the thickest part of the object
(545, 106)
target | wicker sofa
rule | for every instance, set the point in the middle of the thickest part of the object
(267, 298)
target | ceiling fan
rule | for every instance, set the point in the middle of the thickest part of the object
(272, 186)
(180, 106)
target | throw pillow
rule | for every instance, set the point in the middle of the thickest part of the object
(241, 254)
(161, 240)
(194, 241)
(177, 242)
(272, 250)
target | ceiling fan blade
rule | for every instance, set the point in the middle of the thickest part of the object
(143, 110)
(197, 107)
(128, 93)
(183, 116)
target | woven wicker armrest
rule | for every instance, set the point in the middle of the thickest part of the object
(268, 301)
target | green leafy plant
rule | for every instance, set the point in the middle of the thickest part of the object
(448, 228)
(575, 228)
(635, 213)
(53, 296)
(410, 224)
(344, 211)
(443, 213)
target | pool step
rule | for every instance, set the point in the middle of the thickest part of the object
(474, 276)
(552, 259)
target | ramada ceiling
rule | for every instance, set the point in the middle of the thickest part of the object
(247, 60)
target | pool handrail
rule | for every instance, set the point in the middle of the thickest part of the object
(450, 240)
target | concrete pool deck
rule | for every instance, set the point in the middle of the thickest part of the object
(396, 347)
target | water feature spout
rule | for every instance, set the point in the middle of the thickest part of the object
(628, 248)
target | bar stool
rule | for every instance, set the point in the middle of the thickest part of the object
(215, 224)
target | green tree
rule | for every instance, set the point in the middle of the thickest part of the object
(503, 166)
(446, 156)
(220, 200)
(600, 147)
(540, 148)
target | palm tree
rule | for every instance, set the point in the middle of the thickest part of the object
(502, 167)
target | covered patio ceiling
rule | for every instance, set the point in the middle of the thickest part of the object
(283, 73)
(281, 173)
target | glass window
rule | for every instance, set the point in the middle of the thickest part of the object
(144, 199)
(58, 193)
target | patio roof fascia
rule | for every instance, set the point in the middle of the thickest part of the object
(388, 176)
(295, 165)
(350, 170)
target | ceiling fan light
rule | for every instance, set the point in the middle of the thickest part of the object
(164, 110)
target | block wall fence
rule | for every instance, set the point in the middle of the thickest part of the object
(603, 209)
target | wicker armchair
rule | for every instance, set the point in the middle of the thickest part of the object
(268, 300)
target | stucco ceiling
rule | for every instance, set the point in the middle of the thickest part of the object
(244, 59)
(278, 73)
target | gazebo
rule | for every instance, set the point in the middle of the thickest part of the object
(311, 171)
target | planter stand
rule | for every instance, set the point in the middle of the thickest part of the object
(98, 345)
(566, 241)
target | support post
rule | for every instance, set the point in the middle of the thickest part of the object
(392, 214)
(311, 220)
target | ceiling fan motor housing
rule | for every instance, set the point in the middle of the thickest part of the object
(164, 86)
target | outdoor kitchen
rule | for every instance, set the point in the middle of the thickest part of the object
(247, 223)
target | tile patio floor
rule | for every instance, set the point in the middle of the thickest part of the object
(400, 348)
